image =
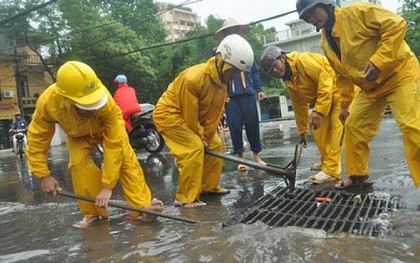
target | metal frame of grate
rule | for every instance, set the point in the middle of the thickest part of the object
(343, 212)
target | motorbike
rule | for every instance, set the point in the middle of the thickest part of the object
(144, 134)
(19, 141)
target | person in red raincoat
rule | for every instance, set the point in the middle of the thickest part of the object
(126, 98)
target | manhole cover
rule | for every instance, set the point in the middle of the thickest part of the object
(328, 210)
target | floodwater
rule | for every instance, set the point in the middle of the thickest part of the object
(35, 227)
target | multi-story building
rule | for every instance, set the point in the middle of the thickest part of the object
(304, 37)
(178, 20)
(22, 78)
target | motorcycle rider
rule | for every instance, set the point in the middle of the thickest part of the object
(18, 124)
(126, 98)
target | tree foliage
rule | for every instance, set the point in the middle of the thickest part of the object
(411, 12)
(97, 32)
(110, 34)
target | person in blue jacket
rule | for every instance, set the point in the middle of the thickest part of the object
(19, 123)
(241, 107)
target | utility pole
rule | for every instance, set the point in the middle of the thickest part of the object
(17, 79)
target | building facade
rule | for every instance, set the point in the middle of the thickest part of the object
(304, 37)
(22, 78)
(178, 21)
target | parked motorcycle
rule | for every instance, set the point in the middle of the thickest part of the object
(144, 134)
(19, 141)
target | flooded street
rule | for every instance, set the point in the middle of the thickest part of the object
(37, 228)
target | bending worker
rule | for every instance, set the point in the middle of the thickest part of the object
(83, 107)
(365, 45)
(188, 113)
(311, 80)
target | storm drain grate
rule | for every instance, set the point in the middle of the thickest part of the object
(327, 210)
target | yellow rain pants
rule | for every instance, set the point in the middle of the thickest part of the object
(327, 139)
(364, 121)
(198, 172)
(86, 177)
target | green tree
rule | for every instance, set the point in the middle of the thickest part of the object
(411, 12)
(104, 34)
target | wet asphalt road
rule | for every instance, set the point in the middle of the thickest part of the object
(35, 227)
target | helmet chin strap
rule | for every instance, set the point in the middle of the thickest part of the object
(288, 74)
(220, 69)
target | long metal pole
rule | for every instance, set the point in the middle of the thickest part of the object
(268, 168)
(126, 207)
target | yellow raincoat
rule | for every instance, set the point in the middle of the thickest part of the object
(367, 32)
(187, 113)
(313, 82)
(83, 134)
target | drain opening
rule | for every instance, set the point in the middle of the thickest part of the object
(328, 210)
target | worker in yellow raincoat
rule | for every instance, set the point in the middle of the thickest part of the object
(84, 109)
(188, 113)
(311, 80)
(365, 45)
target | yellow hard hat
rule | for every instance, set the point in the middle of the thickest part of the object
(78, 82)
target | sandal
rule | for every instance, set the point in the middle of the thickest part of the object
(196, 203)
(321, 178)
(242, 167)
(221, 191)
(354, 181)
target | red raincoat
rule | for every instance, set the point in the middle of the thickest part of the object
(126, 98)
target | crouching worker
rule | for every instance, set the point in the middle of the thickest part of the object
(188, 113)
(83, 107)
(311, 80)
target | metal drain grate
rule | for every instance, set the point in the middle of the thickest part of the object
(327, 210)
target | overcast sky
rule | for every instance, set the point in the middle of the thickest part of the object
(246, 11)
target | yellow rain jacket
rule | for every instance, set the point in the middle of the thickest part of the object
(196, 97)
(187, 113)
(357, 28)
(313, 82)
(106, 126)
(366, 32)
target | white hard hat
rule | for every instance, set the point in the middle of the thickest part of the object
(236, 51)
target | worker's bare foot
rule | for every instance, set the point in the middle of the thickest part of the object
(157, 206)
(85, 222)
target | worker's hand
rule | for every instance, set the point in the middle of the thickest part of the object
(103, 197)
(315, 120)
(205, 143)
(261, 96)
(371, 71)
(302, 140)
(49, 185)
(344, 113)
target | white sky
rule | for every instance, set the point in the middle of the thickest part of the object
(246, 11)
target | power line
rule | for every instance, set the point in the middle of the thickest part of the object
(186, 40)
(26, 12)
